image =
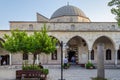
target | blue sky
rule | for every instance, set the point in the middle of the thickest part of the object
(25, 10)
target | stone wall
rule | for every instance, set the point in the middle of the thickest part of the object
(90, 32)
(67, 26)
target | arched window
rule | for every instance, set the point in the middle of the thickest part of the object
(58, 20)
(54, 55)
(30, 27)
(71, 19)
(25, 56)
(92, 55)
(73, 27)
(113, 27)
(108, 54)
(118, 54)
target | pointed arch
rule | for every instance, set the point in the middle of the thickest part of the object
(54, 55)
(78, 48)
(55, 38)
(104, 39)
(77, 38)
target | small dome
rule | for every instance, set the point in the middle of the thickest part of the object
(68, 10)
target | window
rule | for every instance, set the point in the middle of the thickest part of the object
(113, 27)
(58, 20)
(54, 55)
(92, 55)
(71, 19)
(25, 56)
(108, 54)
(72, 27)
(30, 27)
(118, 54)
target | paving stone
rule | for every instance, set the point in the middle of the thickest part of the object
(73, 73)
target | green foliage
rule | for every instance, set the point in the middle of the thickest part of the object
(116, 9)
(98, 78)
(43, 42)
(30, 67)
(20, 41)
(16, 41)
(89, 65)
(45, 71)
(67, 66)
(35, 67)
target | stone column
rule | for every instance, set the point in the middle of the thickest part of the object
(115, 58)
(64, 53)
(100, 61)
(10, 59)
(37, 62)
(64, 50)
(89, 55)
(0, 60)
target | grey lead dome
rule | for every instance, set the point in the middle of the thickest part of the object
(68, 10)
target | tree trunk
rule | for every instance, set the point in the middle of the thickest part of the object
(100, 61)
(34, 58)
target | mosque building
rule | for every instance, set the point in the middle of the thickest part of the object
(80, 38)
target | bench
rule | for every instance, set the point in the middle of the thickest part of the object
(30, 74)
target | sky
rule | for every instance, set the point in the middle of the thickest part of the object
(25, 10)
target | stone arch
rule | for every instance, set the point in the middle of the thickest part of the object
(55, 38)
(78, 48)
(53, 58)
(79, 37)
(111, 40)
(108, 44)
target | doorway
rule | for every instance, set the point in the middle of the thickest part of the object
(71, 55)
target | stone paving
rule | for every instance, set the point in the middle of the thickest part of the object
(73, 73)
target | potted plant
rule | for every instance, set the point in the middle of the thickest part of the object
(66, 66)
(89, 65)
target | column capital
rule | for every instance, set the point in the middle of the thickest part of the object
(89, 51)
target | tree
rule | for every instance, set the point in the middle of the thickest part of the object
(42, 42)
(15, 42)
(116, 9)
(20, 41)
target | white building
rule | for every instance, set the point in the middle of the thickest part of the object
(70, 25)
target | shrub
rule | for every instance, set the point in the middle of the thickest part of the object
(67, 66)
(89, 65)
(34, 67)
(45, 71)
(30, 67)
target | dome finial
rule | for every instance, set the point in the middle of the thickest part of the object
(67, 3)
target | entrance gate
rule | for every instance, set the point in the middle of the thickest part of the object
(73, 55)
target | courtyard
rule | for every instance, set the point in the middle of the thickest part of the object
(73, 73)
